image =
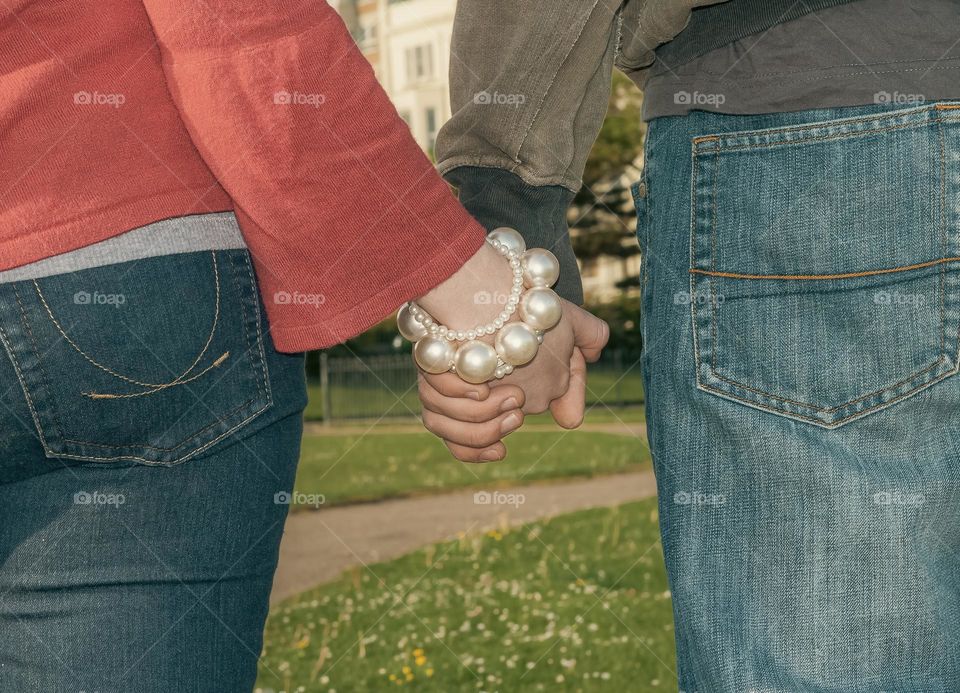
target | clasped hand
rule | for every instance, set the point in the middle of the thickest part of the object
(472, 420)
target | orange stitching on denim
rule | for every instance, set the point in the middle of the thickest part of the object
(947, 106)
(153, 387)
(943, 233)
(705, 138)
(816, 277)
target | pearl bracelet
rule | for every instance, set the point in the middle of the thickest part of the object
(516, 343)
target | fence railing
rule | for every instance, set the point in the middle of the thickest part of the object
(378, 387)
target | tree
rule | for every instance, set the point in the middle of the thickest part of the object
(602, 217)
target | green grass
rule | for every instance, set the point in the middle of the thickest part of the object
(351, 468)
(366, 397)
(576, 603)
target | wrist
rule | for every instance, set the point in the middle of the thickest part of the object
(474, 294)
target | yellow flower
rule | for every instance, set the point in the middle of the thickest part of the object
(418, 652)
(406, 670)
(429, 672)
(420, 661)
(393, 677)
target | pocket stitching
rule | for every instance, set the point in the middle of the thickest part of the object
(54, 420)
(943, 359)
(828, 424)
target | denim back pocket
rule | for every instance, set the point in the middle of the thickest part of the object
(152, 361)
(823, 263)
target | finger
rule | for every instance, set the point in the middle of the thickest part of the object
(472, 435)
(567, 410)
(501, 400)
(590, 333)
(451, 385)
(495, 452)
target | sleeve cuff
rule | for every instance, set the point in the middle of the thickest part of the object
(496, 197)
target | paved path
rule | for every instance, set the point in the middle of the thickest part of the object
(319, 545)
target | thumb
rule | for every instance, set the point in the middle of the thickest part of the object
(567, 409)
(590, 333)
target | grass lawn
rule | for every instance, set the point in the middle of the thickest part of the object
(350, 468)
(576, 603)
(368, 397)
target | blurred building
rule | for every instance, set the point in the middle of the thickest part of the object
(408, 44)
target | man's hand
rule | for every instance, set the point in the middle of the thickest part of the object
(472, 420)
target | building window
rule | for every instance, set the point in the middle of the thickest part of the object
(419, 63)
(431, 117)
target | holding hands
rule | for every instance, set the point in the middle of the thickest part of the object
(472, 418)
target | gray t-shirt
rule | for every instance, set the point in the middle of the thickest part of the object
(904, 52)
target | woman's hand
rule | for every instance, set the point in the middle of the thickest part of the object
(472, 420)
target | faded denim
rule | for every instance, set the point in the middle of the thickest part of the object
(801, 307)
(146, 426)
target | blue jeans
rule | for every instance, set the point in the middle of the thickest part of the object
(801, 308)
(146, 424)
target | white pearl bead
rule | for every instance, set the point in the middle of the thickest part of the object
(498, 323)
(540, 268)
(517, 343)
(540, 308)
(471, 334)
(433, 355)
(508, 369)
(476, 362)
(509, 238)
(408, 325)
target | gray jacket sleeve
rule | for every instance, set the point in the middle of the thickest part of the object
(530, 80)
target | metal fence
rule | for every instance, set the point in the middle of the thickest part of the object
(378, 387)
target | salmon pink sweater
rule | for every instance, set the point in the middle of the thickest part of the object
(118, 113)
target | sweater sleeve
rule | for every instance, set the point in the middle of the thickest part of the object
(344, 215)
